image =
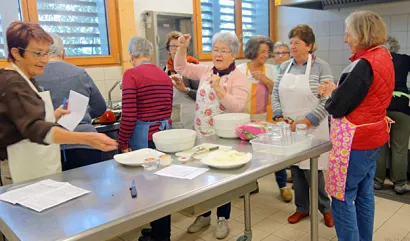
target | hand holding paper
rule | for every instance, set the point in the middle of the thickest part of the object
(77, 105)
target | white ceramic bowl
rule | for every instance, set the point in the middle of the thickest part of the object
(176, 140)
(225, 124)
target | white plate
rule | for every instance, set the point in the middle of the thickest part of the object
(237, 163)
(136, 158)
(202, 155)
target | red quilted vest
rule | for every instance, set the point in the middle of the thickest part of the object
(373, 107)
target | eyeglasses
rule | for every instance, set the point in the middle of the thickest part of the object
(222, 52)
(173, 47)
(265, 52)
(39, 54)
(281, 53)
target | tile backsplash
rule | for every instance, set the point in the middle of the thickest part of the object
(105, 78)
(329, 29)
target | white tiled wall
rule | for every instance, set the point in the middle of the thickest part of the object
(104, 78)
(329, 29)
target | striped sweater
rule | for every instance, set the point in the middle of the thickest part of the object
(319, 72)
(146, 96)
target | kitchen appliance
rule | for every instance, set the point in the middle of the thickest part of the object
(329, 4)
(158, 25)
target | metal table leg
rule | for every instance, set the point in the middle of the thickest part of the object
(314, 193)
(247, 207)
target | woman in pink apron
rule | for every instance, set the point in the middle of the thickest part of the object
(295, 97)
(29, 136)
(359, 125)
(222, 88)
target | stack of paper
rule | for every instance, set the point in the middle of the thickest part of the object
(182, 172)
(43, 195)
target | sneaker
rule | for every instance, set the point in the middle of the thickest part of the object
(402, 189)
(222, 228)
(329, 219)
(286, 194)
(146, 231)
(378, 186)
(296, 217)
(200, 223)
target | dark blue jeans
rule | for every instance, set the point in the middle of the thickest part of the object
(354, 217)
(281, 178)
(223, 211)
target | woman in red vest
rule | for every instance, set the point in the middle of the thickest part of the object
(359, 125)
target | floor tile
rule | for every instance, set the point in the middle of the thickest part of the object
(180, 221)
(303, 225)
(183, 236)
(255, 219)
(381, 217)
(280, 217)
(405, 209)
(130, 235)
(258, 235)
(398, 224)
(326, 232)
(269, 226)
(273, 237)
(205, 231)
(235, 227)
(265, 211)
(211, 237)
(381, 235)
(388, 205)
(236, 212)
(289, 233)
(306, 237)
(115, 239)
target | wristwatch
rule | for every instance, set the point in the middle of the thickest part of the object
(187, 90)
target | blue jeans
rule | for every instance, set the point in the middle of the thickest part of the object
(281, 178)
(354, 217)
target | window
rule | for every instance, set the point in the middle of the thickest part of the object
(246, 18)
(88, 28)
(8, 14)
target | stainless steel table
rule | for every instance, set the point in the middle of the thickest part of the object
(109, 210)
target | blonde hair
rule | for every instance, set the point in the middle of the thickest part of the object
(171, 36)
(367, 28)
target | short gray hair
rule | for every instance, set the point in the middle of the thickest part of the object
(392, 44)
(229, 39)
(57, 47)
(281, 44)
(140, 47)
(253, 44)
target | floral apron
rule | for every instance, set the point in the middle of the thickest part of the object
(207, 106)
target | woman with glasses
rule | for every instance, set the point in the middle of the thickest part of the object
(184, 89)
(222, 88)
(29, 136)
(296, 99)
(260, 75)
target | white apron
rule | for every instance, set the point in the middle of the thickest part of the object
(296, 100)
(28, 160)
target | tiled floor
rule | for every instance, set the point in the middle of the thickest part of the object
(269, 221)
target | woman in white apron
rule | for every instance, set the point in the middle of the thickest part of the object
(295, 98)
(261, 75)
(29, 139)
(222, 88)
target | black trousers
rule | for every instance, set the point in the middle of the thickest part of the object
(223, 211)
(80, 157)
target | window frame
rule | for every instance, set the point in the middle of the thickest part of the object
(238, 23)
(29, 12)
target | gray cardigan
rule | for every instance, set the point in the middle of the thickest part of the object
(59, 78)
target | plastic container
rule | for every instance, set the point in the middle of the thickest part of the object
(262, 144)
(165, 160)
(150, 163)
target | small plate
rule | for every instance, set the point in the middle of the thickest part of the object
(136, 158)
(237, 163)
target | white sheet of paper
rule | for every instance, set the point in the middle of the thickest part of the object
(77, 104)
(182, 172)
(53, 198)
(39, 188)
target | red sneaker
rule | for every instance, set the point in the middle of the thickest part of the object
(296, 217)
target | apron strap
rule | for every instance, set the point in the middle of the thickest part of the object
(309, 65)
(25, 77)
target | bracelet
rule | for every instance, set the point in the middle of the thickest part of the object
(187, 90)
(277, 117)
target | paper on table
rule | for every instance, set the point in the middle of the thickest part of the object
(182, 172)
(53, 198)
(17, 195)
(77, 104)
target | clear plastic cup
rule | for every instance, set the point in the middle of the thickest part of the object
(301, 132)
(150, 164)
